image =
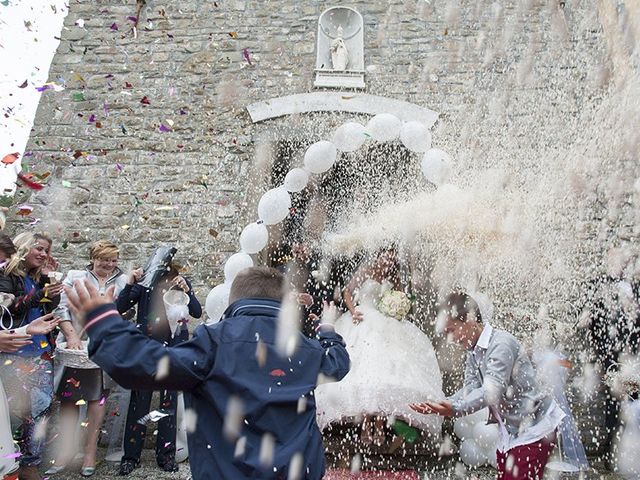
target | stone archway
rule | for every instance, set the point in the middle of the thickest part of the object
(346, 102)
(269, 115)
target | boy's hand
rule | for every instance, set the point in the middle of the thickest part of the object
(329, 313)
(85, 297)
(444, 409)
(304, 299)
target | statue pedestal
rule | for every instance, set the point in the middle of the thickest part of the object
(339, 79)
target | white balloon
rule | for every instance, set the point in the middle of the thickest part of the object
(235, 264)
(416, 136)
(320, 156)
(436, 166)
(463, 428)
(349, 137)
(254, 238)
(384, 127)
(274, 206)
(486, 436)
(296, 180)
(217, 302)
(471, 454)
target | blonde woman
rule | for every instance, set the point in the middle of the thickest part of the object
(27, 374)
(85, 385)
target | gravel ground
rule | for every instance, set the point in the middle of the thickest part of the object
(149, 471)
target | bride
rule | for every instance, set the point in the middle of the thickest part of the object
(392, 362)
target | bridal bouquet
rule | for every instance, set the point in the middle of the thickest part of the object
(395, 304)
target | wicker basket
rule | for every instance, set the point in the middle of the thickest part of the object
(74, 358)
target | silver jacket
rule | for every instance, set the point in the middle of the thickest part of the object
(498, 374)
(119, 279)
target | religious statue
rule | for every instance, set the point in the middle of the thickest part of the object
(339, 52)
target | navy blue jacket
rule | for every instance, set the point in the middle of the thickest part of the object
(235, 360)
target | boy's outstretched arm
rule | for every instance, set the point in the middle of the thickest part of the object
(131, 358)
(335, 362)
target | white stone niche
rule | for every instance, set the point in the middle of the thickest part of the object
(340, 49)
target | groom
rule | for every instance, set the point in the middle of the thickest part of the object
(499, 375)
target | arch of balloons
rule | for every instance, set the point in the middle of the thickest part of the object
(275, 204)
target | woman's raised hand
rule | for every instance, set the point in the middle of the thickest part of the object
(181, 283)
(53, 290)
(135, 276)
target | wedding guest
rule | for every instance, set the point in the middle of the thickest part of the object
(29, 369)
(316, 280)
(78, 385)
(152, 321)
(254, 413)
(499, 375)
(10, 342)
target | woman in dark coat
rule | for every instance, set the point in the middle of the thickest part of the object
(152, 321)
(27, 374)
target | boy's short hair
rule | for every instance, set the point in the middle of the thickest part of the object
(257, 282)
(460, 306)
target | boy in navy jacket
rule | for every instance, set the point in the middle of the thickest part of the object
(254, 407)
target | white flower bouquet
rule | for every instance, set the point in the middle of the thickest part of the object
(394, 304)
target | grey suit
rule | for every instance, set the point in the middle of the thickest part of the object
(499, 375)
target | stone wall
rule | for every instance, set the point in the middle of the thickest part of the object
(140, 186)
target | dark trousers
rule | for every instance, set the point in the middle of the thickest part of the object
(139, 405)
(135, 433)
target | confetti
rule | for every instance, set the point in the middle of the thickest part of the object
(24, 210)
(152, 416)
(24, 84)
(11, 158)
(81, 402)
(247, 57)
(164, 128)
(27, 182)
(145, 100)
(114, 26)
(75, 383)
(233, 34)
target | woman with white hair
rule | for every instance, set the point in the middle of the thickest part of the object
(84, 385)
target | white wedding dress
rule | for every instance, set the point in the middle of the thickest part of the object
(393, 364)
